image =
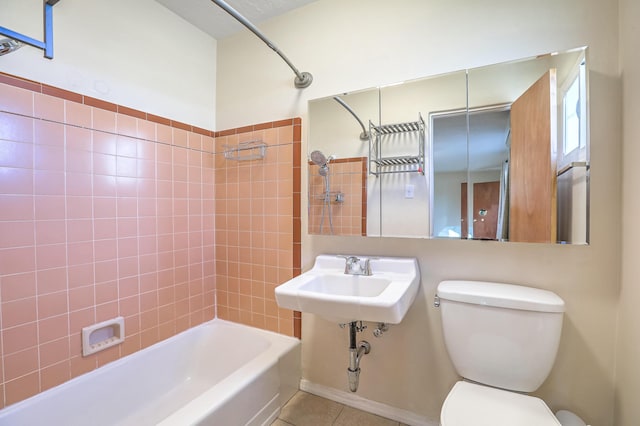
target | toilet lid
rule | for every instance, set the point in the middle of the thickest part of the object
(472, 404)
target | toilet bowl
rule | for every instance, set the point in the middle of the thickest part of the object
(502, 339)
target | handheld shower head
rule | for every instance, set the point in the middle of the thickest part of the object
(318, 158)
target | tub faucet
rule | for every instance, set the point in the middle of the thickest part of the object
(353, 266)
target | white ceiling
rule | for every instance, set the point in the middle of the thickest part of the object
(211, 19)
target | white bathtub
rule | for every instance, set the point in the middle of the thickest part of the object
(219, 373)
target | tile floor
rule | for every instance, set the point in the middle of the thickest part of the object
(305, 409)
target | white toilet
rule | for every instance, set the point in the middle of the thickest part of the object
(503, 340)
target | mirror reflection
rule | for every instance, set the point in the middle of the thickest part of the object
(493, 153)
(482, 173)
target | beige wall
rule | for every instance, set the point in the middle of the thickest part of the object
(357, 44)
(628, 348)
(132, 53)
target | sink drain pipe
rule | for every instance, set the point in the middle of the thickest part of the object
(356, 352)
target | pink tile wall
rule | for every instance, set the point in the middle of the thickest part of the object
(347, 176)
(101, 214)
(258, 225)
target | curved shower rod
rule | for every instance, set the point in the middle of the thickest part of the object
(303, 79)
(364, 135)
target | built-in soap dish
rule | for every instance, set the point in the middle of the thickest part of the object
(103, 335)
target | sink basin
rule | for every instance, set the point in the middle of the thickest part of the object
(346, 285)
(325, 290)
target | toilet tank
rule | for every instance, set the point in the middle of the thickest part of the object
(502, 335)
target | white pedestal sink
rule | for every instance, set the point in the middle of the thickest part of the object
(326, 290)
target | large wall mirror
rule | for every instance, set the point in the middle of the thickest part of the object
(494, 153)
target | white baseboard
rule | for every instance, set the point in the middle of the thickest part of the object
(367, 405)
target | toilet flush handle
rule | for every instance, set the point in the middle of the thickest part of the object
(436, 301)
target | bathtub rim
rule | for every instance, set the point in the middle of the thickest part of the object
(278, 343)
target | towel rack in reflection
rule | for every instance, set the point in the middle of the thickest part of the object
(250, 150)
(572, 165)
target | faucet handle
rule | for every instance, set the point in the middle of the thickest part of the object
(355, 266)
(350, 264)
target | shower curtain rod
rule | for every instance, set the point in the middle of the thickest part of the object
(364, 135)
(303, 79)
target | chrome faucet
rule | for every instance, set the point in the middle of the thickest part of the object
(354, 266)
